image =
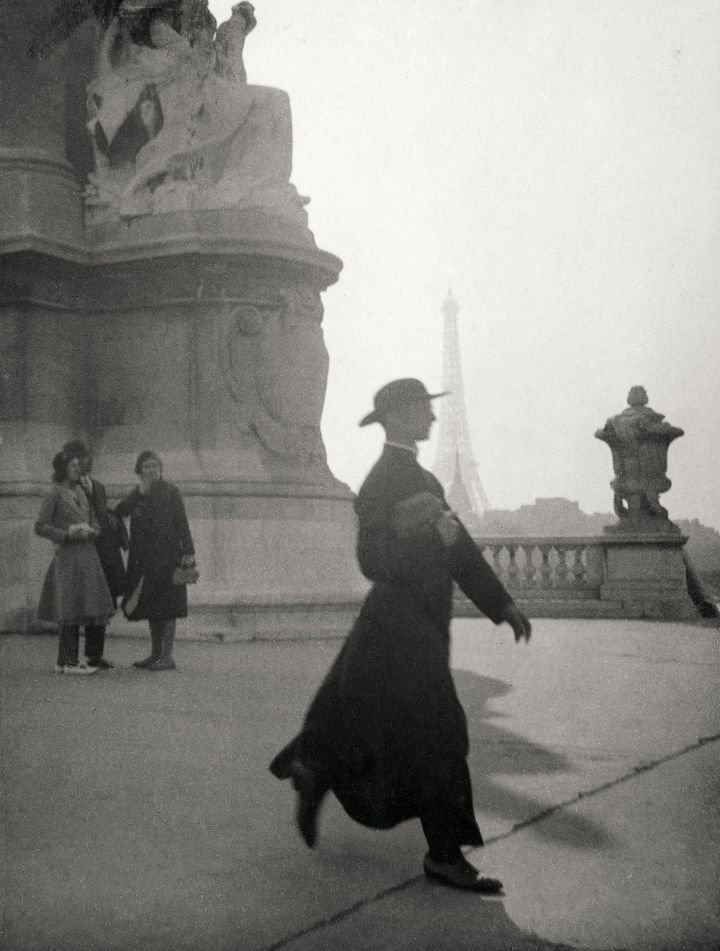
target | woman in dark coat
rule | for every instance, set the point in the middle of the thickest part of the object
(75, 593)
(386, 731)
(160, 544)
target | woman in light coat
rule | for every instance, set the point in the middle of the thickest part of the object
(75, 593)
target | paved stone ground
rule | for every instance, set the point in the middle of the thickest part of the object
(137, 810)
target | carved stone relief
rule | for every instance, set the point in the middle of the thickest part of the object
(274, 363)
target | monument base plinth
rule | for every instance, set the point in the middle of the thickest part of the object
(277, 563)
(646, 575)
(644, 525)
(199, 336)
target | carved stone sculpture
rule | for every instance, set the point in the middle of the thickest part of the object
(174, 123)
(274, 363)
(638, 438)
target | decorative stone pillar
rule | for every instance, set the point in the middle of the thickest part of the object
(644, 570)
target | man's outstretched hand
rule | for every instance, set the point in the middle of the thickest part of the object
(522, 628)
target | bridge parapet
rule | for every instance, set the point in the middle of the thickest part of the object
(588, 576)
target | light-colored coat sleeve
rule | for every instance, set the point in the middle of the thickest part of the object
(47, 525)
(58, 512)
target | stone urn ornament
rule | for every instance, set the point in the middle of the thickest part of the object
(638, 438)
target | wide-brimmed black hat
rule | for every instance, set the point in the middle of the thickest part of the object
(396, 394)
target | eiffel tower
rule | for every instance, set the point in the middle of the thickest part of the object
(455, 464)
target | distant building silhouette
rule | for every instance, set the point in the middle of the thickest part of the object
(549, 516)
(455, 464)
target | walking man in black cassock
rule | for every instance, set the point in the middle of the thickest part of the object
(386, 732)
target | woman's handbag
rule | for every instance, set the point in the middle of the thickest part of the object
(186, 573)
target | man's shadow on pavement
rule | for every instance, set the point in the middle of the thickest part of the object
(496, 750)
(426, 917)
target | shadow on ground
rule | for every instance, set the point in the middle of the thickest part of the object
(423, 917)
(140, 812)
(497, 752)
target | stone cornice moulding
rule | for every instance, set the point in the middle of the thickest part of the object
(607, 541)
(29, 159)
(216, 596)
(263, 490)
(195, 244)
(30, 242)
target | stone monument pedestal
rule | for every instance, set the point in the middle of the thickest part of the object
(160, 289)
(646, 575)
(644, 567)
(203, 341)
(273, 565)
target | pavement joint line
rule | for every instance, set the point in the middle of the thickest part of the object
(586, 794)
(538, 817)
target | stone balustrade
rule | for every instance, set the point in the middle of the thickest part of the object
(590, 576)
(567, 566)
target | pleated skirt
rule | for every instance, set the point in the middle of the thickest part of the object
(75, 590)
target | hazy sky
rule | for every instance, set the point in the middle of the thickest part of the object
(558, 163)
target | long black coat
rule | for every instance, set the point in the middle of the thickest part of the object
(386, 728)
(159, 539)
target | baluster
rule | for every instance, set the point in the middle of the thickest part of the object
(571, 561)
(500, 561)
(532, 565)
(566, 577)
(523, 566)
(579, 569)
(545, 567)
(512, 568)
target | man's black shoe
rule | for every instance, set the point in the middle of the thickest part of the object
(460, 874)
